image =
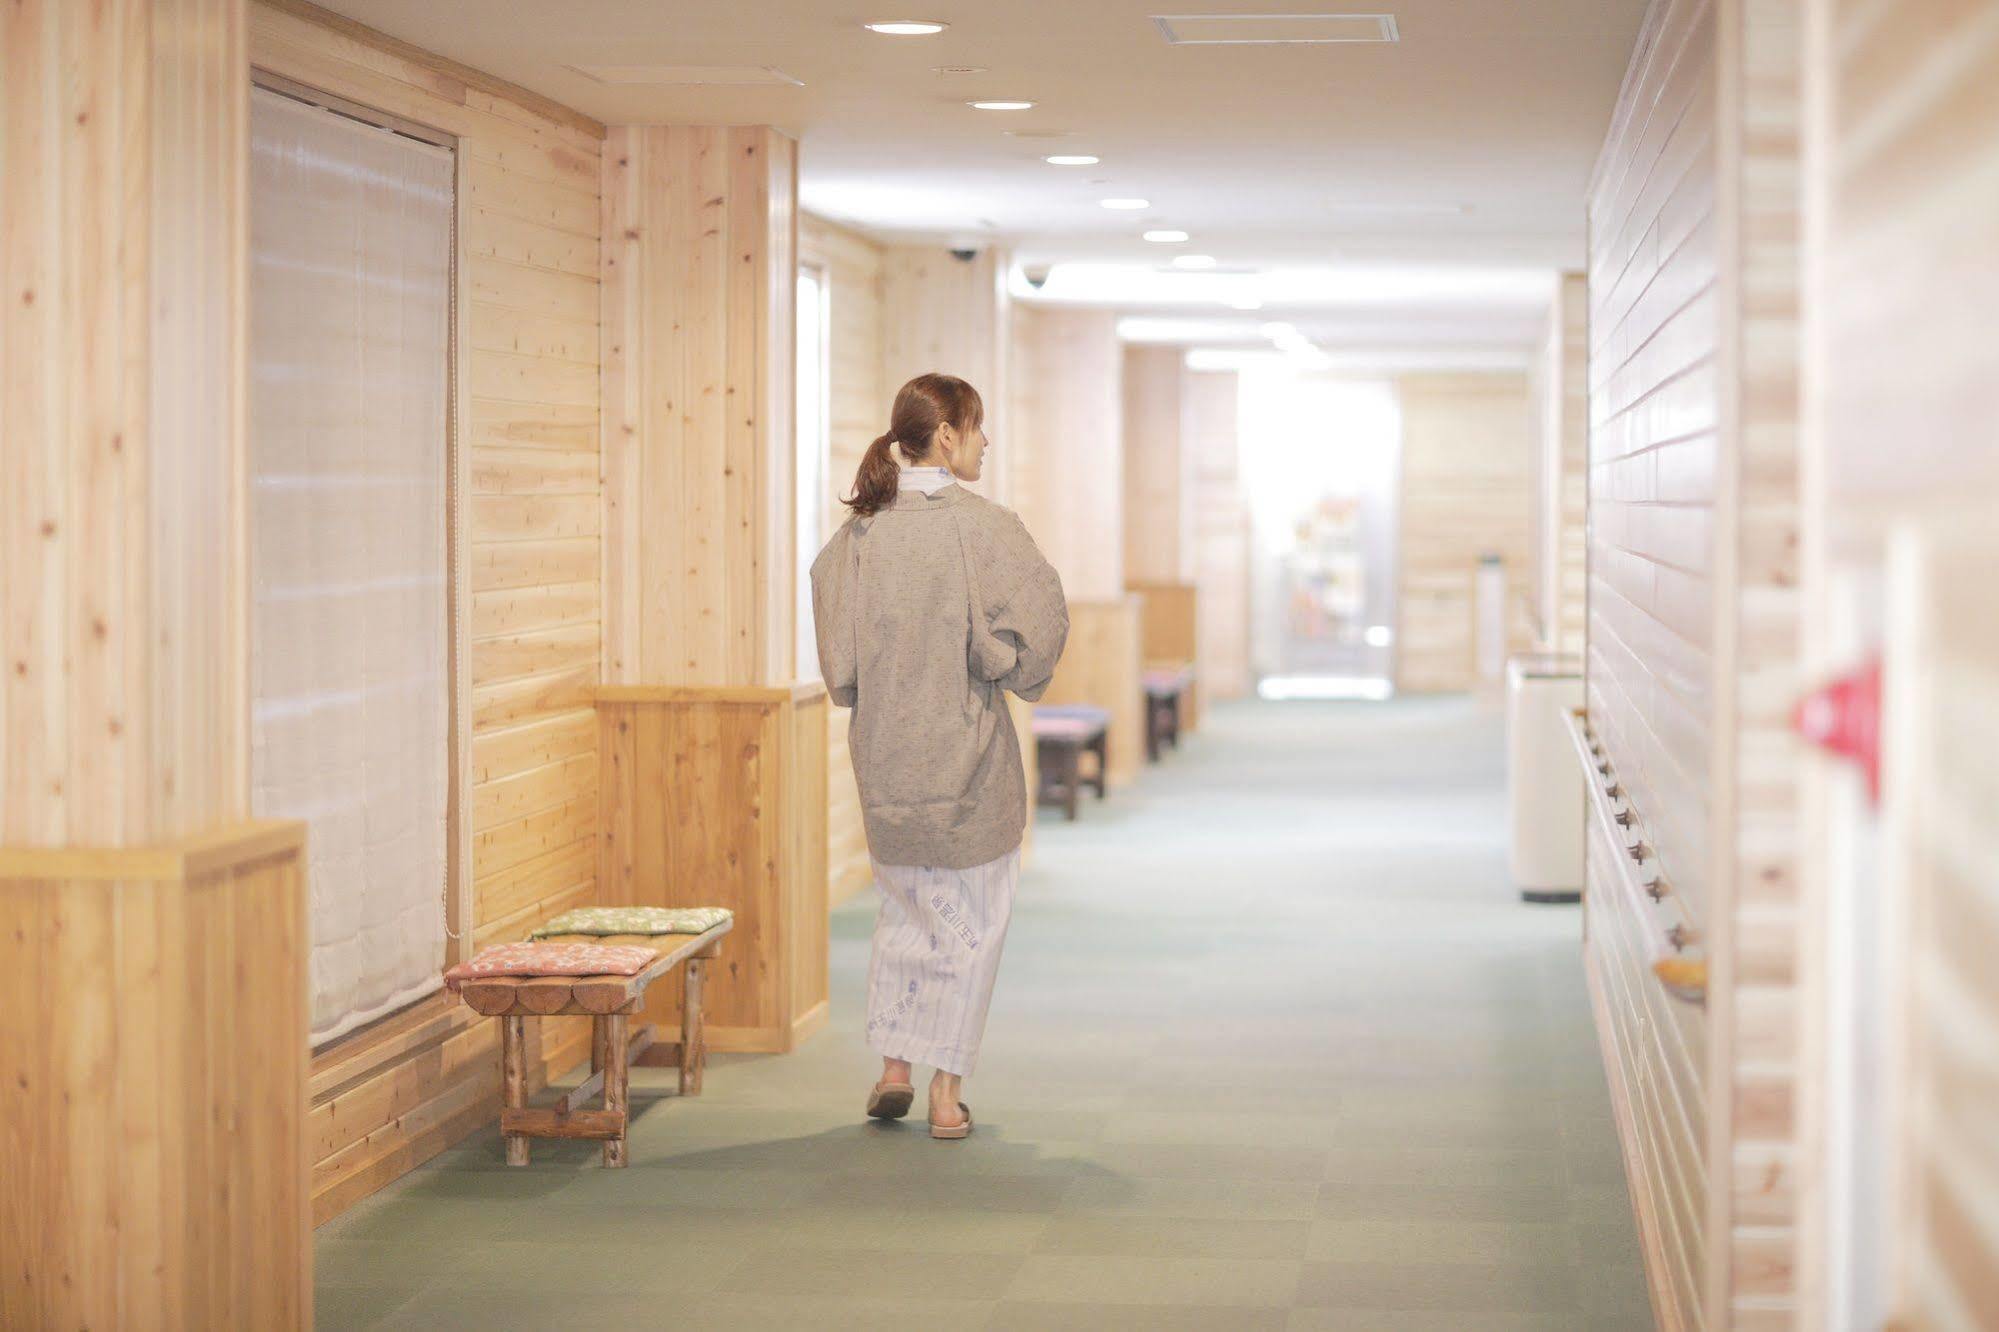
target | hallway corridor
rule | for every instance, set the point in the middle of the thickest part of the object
(1275, 1045)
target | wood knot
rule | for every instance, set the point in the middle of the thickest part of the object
(48, 527)
(99, 629)
(83, 117)
(20, 668)
(27, 296)
(116, 727)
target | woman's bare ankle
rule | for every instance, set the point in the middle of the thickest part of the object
(945, 1091)
(895, 1070)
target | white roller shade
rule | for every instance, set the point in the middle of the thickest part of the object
(351, 239)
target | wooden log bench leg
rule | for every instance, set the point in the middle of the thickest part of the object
(693, 1031)
(514, 1093)
(617, 1086)
(1101, 748)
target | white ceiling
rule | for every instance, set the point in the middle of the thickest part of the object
(1462, 149)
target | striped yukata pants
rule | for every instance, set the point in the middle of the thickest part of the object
(936, 954)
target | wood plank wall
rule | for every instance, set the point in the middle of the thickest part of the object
(1654, 443)
(123, 592)
(1904, 386)
(1158, 476)
(1468, 467)
(1221, 533)
(700, 298)
(394, 1095)
(1694, 631)
(858, 412)
(951, 315)
(1066, 461)
(1561, 492)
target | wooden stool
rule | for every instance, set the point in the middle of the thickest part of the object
(1165, 687)
(1061, 736)
(608, 1001)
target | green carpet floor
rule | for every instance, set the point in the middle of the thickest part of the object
(1275, 1045)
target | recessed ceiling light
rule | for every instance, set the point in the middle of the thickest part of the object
(1126, 203)
(1071, 159)
(1193, 261)
(1002, 106)
(1166, 236)
(906, 27)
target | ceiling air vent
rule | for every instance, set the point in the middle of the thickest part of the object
(1275, 29)
(662, 75)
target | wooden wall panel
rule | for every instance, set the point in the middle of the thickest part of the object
(1654, 442)
(123, 229)
(1221, 531)
(1066, 460)
(717, 797)
(943, 313)
(1561, 491)
(1468, 460)
(153, 1084)
(1101, 666)
(1169, 632)
(529, 355)
(699, 377)
(1158, 470)
(1693, 655)
(1904, 388)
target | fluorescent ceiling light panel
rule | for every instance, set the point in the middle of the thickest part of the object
(1166, 236)
(1002, 106)
(1275, 29)
(1126, 204)
(1071, 159)
(906, 27)
(1193, 261)
(663, 75)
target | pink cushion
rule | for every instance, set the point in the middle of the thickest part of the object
(1064, 728)
(553, 959)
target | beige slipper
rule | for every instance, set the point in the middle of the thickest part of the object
(890, 1100)
(953, 1130)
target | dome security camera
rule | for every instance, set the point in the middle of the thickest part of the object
(1036, 275)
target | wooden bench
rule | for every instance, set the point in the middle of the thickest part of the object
(1063, 733)
(609, 1002)
(1165, 688)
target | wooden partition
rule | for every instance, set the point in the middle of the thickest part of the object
(1468, 459)
(152, 1084)
(717, 797)
(1169, 631)
(1158, 468)
(1101, 666)
(1692, 647)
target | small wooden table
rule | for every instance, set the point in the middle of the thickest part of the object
(608, 1001)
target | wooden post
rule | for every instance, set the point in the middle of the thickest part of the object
(693, 1048)
(617, 1080)
(514, 1093)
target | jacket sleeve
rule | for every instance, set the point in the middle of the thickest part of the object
(833, 617)
(1026, 629)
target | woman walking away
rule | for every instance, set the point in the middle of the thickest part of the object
(931, 602)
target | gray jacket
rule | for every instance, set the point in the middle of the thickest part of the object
(926, 611)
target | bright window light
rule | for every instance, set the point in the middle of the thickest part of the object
(1370, 689)
(1071, 159)
(1245, 303)
(1166, 236)
(1126, 203)
(907, 27)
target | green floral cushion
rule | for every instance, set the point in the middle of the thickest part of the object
(635, 920)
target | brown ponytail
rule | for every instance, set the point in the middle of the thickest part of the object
(923, 404)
